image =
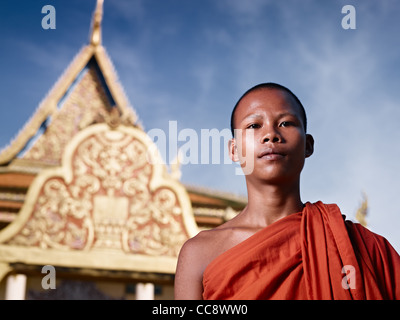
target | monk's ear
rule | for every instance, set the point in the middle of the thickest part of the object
(309, 145)
(233, 152)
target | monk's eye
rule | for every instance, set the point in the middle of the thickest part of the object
(286, 124)
(253, 126)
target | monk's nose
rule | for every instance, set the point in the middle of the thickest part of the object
(271, 136)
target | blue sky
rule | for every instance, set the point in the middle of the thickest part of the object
(189, 61)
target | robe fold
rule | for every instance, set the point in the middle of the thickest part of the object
(315, 254)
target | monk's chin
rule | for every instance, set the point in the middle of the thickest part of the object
(278, 180)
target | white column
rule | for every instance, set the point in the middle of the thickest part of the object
(144, 291)
(16, 287)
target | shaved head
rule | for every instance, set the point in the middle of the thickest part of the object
(269, 86)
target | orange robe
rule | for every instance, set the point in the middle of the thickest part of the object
(314, 254)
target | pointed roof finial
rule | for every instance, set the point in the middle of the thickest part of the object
(95, 36)
(363, 211)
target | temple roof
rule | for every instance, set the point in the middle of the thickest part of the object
(87, 92)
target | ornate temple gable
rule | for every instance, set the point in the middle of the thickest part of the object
(109, 196)
(88, 92)
(86, 104)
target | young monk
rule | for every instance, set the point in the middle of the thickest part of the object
(279, 247)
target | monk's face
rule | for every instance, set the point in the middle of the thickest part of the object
(271, 143)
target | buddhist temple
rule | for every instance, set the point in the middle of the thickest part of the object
(84, 214)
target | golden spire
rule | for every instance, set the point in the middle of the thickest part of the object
(363, 210)
(95, 36)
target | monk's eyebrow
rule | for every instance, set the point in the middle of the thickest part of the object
(253, 116)
(288, 114)
(256, 116)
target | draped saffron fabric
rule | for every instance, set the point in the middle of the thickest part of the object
(314, 254)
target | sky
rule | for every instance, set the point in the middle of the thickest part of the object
(187, 62)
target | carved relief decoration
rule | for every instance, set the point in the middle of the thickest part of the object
(111, 193)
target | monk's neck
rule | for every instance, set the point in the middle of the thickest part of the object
(268, 204)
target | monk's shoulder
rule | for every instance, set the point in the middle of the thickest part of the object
(219, 236)
(374, 243)
(194, 255)
(208, 244)
(206, 241)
